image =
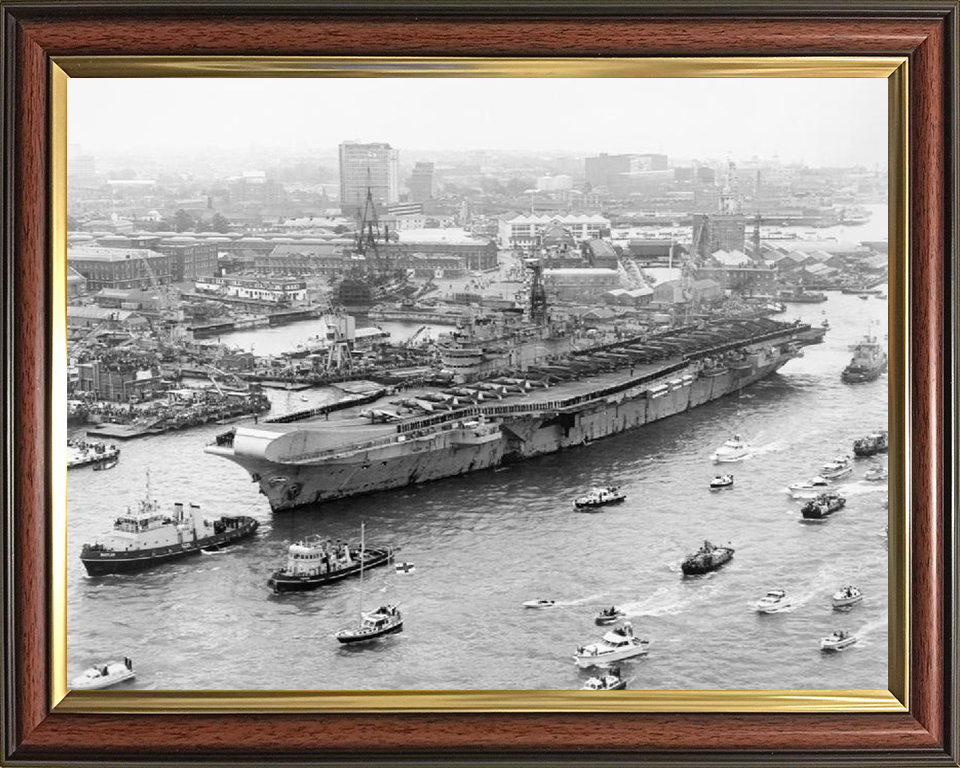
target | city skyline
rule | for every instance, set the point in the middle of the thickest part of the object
(817, 122)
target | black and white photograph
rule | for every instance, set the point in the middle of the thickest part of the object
(400, 384)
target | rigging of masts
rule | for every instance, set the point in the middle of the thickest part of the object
(538, 294)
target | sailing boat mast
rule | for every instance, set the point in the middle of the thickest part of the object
(362, 558)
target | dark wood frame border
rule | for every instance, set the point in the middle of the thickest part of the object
(925, 32)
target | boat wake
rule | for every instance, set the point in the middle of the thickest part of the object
(862, 489)
(666, 602)
(871, 628)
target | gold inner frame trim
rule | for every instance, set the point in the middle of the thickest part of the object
(894, 69)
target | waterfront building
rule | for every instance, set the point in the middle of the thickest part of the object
(102, 318)
(526, 231)
(579, 284)
(106, 267)
(476, 254)
(76, 284)
(364, 166)
(191, 257)
(304, 259)
(269, 289)
(718, 232)
(120, 384)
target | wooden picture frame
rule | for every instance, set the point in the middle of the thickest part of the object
(40, 729)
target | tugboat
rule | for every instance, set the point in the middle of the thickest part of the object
(773, 602)
(599, 497)
(104, 675)
(869, 361)
(147, 537)
(847, 596)
(872, 444)
(720, 482)
(732, 450)
(384, 621)
(837, 641)
(609, 615)
(608, 682)
(876, 474)
(808, 489)
(708, 558)
(840, 466)
(616, 645)
(539, 603)
(80, 453)
(823, 506)
(316, 561)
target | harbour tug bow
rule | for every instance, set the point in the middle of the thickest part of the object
(523, 392)
(869, 361)
(316, 561)
(148, 536)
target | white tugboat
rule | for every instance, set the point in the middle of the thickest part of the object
(616, 645)
(847, 596)
(732, 450)
(773, 602)
(104, 675)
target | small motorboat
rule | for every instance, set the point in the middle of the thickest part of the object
(404, 568)
(863, 296)
(847, 596)
(732, 450)
(808, 489)
(773, 602)
(384, 621)
(837, 641)
(109, 464)
(599, 497)
(104, 675)
(539, 603)
(840, 466)
(616, 645)
(876, 474)
(720, 482)
(609, 682)
(823, 506)
(609, 615)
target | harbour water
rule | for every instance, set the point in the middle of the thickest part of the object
(485, 543)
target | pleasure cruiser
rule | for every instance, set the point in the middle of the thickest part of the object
(616, 645)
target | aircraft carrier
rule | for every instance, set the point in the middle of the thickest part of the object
(534, 392)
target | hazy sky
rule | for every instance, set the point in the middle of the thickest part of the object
(816, 121)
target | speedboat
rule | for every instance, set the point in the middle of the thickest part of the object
(384, 621)
(539, 603)
(847, 596)
(732, 450)
(616, 645)
(720, 482)
(599, 497)
(840, 466)
(876, 474)
(104, 675)
(773, 602)
(102, 465)
(837, 641)
(808, 489)
(608, 682)
(609, 615)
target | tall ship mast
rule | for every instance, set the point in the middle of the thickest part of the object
(521, 390)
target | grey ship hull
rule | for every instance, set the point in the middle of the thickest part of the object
(290, 483)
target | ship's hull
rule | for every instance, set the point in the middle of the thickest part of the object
(860, 375)
(283, 582)
(105, 562)
(421, 459)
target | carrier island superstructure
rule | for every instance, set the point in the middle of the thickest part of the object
(519, 392)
